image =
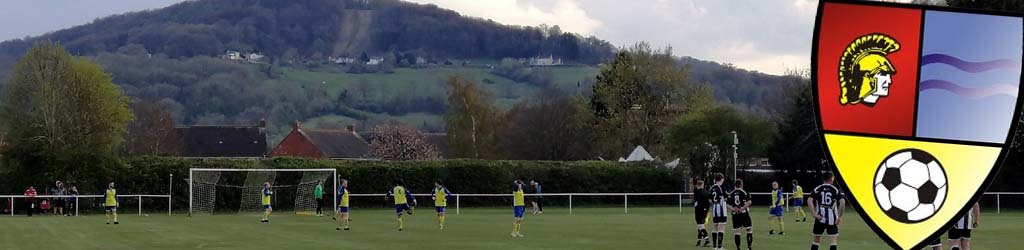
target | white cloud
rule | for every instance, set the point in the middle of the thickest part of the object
(567, 14)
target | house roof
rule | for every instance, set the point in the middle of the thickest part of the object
(338, 144)
(222, 141)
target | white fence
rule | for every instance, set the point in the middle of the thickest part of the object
(684, 199)
(11, 199)
(990, 200)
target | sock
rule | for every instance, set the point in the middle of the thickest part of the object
(736, 238)
(832, 247)
(721, 239)
(266, 214)
(750, 240)
(782, 225)
(401, 223)
(714, 239)
(346, 222)
(108, 217)
(515, 228)
(115, 217)
(441, 220)
(704, 234)
(814, 246)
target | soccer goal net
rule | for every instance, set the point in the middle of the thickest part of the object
(221, 190)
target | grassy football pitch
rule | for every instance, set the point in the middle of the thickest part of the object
(476, 228)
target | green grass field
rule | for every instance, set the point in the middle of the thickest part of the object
(589, 228)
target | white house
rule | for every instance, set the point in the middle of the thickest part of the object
(548, 61)
(341, 60)
(375, 60)
(232, 55)
(254, 57)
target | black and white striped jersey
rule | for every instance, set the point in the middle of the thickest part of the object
(965, 222)
(826, 201)
(717, 201)
(738, 198)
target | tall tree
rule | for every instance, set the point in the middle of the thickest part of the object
(151, 132)
(397, 142)
(547, 126)
(60, 114)
(635, 97)
(471, 121)
(63, 103)
(704, 138)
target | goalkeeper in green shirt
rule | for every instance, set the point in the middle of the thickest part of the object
(318, 193)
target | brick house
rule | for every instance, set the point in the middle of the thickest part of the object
(322, 144)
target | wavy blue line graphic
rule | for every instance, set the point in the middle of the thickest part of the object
(973, 67)
(973, 93)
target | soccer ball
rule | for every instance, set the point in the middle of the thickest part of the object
(910, 185)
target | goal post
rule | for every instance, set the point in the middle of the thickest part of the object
(209, 187)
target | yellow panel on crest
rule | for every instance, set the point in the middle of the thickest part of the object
(858, 158)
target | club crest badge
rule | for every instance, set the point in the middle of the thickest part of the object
(916, 106)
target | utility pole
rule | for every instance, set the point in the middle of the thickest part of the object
(735, 155)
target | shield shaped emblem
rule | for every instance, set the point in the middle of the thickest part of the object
(916, 106)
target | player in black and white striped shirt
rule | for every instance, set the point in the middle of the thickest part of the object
(960, 234)
(828, 204)
(739, 204)
(718, 212)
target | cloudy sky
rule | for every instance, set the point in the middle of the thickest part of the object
(764, 35)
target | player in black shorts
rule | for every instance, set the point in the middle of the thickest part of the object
(960, 234)
(701, 204)
(828, 204)
(739, 204)
(718, 212)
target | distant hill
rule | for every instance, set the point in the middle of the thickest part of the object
(754, 92)
(171, 56)
(316, 28)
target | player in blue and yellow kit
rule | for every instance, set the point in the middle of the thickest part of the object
(518, 207)
(265, 195)
(775, 211)
(798, 202)
(440, 197)
(343, 205)
(402, 198)
(111, 202)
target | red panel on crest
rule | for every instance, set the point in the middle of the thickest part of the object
(892, 114)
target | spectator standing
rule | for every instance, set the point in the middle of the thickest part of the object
(30, 197)
(60, 202)
(73, 201)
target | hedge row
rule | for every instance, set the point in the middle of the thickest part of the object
(150, 175)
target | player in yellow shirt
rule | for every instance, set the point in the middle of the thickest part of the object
(798, 202)
(518, 207)
(266, 202)
(402, 199)
(343, 205)
(111, 203)
(441, 196)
